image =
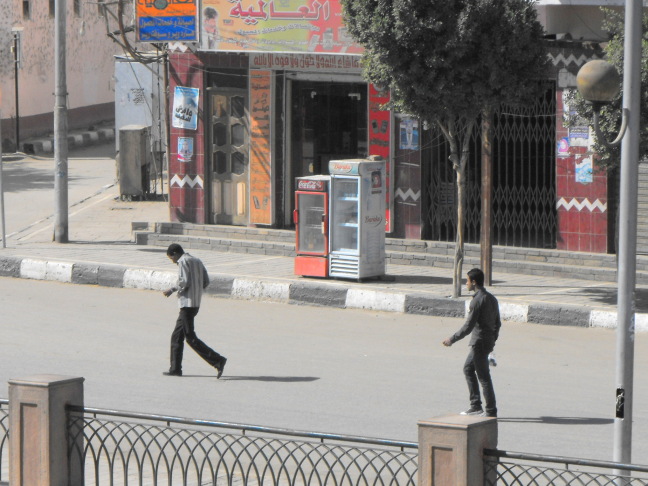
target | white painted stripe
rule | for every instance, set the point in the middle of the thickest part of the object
(243, 288)
(35, 269)
(59, 271)
(514, 312)
(604, 319)
(43, 270)
(374, 300)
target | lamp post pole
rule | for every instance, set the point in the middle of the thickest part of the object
(60, 128)
(2, 206)
(627, 251)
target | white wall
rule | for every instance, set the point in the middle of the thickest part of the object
(89, 58)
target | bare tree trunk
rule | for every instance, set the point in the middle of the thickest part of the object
(486, 237)
(459, 140)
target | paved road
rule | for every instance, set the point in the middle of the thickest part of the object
(317, 369)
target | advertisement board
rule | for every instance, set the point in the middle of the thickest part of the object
(166, 20)
(275, 26)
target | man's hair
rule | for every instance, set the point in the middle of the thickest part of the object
(210, 12)
(477, 276)
(174, 249)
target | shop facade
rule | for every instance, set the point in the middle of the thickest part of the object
(246, 123)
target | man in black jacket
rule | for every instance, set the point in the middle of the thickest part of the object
(484, 323)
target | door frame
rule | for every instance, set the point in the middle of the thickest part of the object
(209, 143)
(289, 182)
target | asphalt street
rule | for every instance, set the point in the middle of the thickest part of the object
(347, 371)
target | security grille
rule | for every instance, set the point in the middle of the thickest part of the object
(524, 165)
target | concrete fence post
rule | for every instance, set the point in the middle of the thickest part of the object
(38, 447)
(450, 449)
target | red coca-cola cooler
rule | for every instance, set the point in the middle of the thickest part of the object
(311, 224)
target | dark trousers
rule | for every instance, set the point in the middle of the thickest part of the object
(184, 330)
(477, 372)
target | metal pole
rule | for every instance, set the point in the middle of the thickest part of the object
(2, 206)
(16, 60)
(628, 233)
(60, 128)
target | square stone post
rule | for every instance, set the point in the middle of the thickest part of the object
(38, 446)
(450, 449)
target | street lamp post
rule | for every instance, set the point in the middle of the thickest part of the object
(627, 251)
(2, 206)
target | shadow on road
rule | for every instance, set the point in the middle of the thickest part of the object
(558, 420)
(282, 379)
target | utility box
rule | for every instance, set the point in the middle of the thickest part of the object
(134, 160)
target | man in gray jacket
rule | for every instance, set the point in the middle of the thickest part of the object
(192, 279)
(484, 323)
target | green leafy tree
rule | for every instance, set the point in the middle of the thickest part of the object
(610, 118)
(450, 62)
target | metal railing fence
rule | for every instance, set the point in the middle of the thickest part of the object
(4, 440)
(133, 448)
(557, 471)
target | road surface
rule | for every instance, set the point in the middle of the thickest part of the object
(318, 369)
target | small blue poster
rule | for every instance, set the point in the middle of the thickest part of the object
(185, 108)
(584, 171)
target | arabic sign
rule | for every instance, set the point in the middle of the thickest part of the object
(166, 20)
(306, 62)
(275, 26)
(185, 108)
(260, 139)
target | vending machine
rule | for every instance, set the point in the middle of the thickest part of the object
(357, 218)
(311, 225)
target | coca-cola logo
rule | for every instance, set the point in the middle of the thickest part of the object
(311, 185)
(373, 220)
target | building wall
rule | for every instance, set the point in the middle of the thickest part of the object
(89, 63)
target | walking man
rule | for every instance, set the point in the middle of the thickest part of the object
(484, 323)
(192, 279)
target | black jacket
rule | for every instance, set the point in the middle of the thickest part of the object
(483, 320)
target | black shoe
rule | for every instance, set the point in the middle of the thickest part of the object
(172, 373)
(473, 411)
(221, 367)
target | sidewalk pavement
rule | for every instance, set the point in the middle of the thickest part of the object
(101, 252)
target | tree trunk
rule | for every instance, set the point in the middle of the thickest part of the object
(458, 135)
(459, 242)
(486, 237)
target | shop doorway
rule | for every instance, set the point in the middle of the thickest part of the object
(228, 156)
(328, 120)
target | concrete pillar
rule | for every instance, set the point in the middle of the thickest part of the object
(450, 449)
(38, 447)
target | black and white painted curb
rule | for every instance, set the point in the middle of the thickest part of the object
(304, 293)
(75, 140)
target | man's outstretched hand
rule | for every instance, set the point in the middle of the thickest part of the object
(447, 342)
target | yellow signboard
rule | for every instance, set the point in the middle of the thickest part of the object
(275, 26)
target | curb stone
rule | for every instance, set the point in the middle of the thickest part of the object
(304, 293)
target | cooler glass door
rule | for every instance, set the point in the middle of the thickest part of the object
(345, 215)
(312, 238)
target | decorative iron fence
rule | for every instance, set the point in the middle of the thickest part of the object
(132, 448)
(557, 471)
(4, 440)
